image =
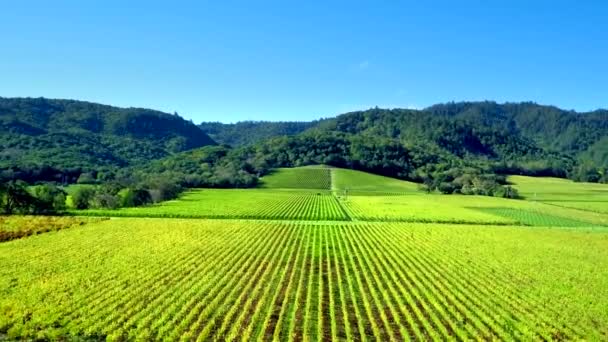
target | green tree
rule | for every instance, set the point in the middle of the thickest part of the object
(15, 198)
(50, 198)
(82, 197)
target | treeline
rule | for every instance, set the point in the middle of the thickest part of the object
(123, 192)
(19, 197)
(66, 135)
(16, 197)
(251, 132)
(137, 156)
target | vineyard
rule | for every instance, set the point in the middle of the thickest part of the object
(167, 279)
(365, 200)
(317, 177)
(534, 218)
(362, 183)
(317, 253)
(564, 193)
(240, 204)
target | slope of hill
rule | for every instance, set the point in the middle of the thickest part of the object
(250, 132)
(436, 145)
(307, 177)
(551, 127)
(68, 134)
(526, 137)
(358, 182)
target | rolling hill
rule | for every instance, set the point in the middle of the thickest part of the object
(437, 144)
(66, 134)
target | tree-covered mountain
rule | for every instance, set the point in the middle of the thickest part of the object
(436, 145)
(250, 132)
(38, 133)
(581, 135)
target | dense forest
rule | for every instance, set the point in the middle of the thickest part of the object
(44, 139)
(251, 132)
(132, 156)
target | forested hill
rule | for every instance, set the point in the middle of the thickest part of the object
(250, 132)
(67, 134)
(510, 130)
(486, 128)
(438, 144)
(584, 135)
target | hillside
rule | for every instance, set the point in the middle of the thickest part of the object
(523, 138)
(354, 182)
(307, 177)
(581, 134)
(530, 138)
(66, 134)
(436, 145)
(250, 132)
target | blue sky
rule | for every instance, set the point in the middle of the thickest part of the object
(300, 60)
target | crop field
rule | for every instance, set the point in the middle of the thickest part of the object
(465, 209)
(535, 218)
(166, 279)
(302, 259)
(362, 183)
(299, 178)
(416, 208)
(365, 204)
(563, 193)
(240, 204)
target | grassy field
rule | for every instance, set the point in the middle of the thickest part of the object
(240, 204)
(166, 279)
(301, 259)
(420, 207)
(564, 193)
(362, 183)
(317, 177)
(364, 201)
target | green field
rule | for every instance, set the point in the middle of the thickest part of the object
(317, 177)
(302, 259)
(240, 204)
(354, 182)
(217, 279)
(563, 192)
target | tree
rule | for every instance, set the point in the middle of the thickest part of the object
(50, 198)
(81, 198)
(104, 200)
(15, 198)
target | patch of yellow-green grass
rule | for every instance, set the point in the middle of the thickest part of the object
(309, 177)
(563, 192)
(456, 209)
(239, 204)
(353, 182)
(15, 227)
(171, 279)
(558, 189)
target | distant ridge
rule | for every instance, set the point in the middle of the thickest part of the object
(78, 134)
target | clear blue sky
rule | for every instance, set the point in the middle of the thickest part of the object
(301, 60)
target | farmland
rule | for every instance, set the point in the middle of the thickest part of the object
(241, 204)
(361, 183)
(312, 177)
(216, 279)
(303, 259)
(563, 193)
